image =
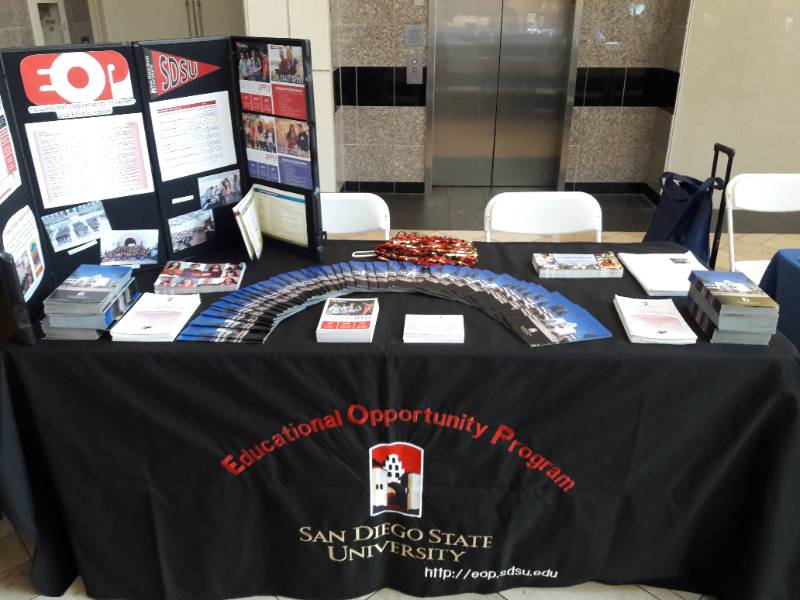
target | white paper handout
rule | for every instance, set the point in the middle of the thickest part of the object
(84, 160)
(193, 134)
(649, 321)
(155, 318)
(9, 171)
(662, 274)
(434, 329)
(21, 241)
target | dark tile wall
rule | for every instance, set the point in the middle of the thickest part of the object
(376, 86)
(623, 86)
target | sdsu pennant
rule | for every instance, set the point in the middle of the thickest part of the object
(166, 72)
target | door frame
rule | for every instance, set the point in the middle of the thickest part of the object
(36, 24)
(569, 101)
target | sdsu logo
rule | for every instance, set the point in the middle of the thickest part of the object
(166, 72)
(395, 479)
(76, 77)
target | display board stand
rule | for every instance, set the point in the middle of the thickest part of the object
(136, 153)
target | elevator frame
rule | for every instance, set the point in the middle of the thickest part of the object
(569, 100)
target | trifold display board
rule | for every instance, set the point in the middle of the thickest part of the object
(137, 153)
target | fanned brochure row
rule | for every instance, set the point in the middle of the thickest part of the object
(538, 316)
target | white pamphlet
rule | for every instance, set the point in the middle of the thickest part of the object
(193, 134)
(649, 321)
(96, 158)
(662, 274)
(155, 318)
(246, 213)
(279, 214)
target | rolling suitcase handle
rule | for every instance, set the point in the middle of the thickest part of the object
(729, 153)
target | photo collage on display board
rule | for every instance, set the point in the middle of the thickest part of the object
(275, 117)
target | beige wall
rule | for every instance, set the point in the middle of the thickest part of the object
(740, 85)
(308, 19)
(15, 24)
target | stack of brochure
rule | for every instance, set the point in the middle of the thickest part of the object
(662, 274)
(199, 278)
(653, 321)
(88, 302)
(574, 266)
(155, 318)
(731, 309)
(348, 320)
(434, 329)
(536, 315)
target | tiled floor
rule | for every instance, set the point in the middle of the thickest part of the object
(15, 557)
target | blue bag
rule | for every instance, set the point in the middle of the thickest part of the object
(684, 213)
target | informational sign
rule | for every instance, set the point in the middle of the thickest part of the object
(272, 79)
(76, 84)
(193, 134)
(9, 170)
(168, 72)
(278, 150)
(281, 214)
(84, 160)
(21, 241)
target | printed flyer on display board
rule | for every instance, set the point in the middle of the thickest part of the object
(219, 189)
(278, 150)
(10, 178)
(193, 134)
(191, 229)
(129, 247)
(76, 225)
(84, 160)
(21, 241)
(272, 79)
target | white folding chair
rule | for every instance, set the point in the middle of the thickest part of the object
(762, 192)
(354, 213)
(543, 213)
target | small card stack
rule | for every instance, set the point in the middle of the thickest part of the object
(155, 318)
(199, 278)
(88, 302)
(653, 321)
(348, 320)
(577, 266)
(731, 309)
(434, 329)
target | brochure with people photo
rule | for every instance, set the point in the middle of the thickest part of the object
(199, 278)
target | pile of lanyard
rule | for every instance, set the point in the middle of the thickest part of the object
(428, 250)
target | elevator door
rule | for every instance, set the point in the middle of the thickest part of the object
(499, 88)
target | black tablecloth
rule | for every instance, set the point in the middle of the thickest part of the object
(604, 460)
